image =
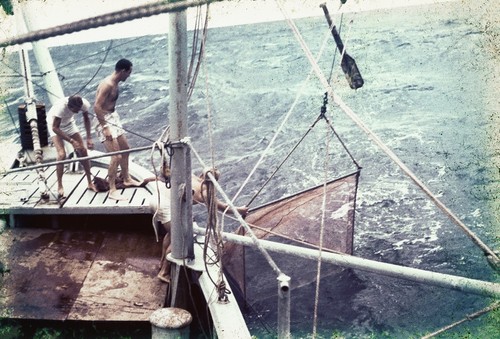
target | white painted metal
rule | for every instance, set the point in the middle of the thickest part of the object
(437, 279)
(181, 205)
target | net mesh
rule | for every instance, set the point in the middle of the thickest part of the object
(296, 220)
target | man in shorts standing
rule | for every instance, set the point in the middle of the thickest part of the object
(109, 128)
(63, 128)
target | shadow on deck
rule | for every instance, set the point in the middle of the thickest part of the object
(85, 274)
(88, 259)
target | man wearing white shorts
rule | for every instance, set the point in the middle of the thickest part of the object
(109, 128)
(64, 128)
(160, 206)
(114, 124)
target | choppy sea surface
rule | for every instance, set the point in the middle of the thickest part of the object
(430, 93)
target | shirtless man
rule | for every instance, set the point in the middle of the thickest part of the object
(109, 128)
(64, 128)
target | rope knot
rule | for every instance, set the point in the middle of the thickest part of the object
(222, 292)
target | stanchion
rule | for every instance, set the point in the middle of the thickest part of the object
(170, 322)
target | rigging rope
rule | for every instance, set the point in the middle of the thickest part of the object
(335, 54)
(322, 231)
(160, 145)
(98, 69)
(68, 161)
(491, 256)
(201, 53)
(128, 14)
(249, 231)
(280, 128)
(469, 317)
(213, 237)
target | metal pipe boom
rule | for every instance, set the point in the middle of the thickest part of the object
(413, 274)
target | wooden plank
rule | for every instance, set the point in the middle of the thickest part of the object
(45, 270)
(125, 193)
(79, 198)
(13, 192)
(31, 196)
(226, 316)
(81, 195)
(81, 275)
(122, 284)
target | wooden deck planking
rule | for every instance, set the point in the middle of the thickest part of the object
(27, 195)
(81, 275)
(81, 195)
(78, 196)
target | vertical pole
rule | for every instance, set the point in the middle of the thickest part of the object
(43, 58)
(31, 112)
(181, 195)
(283, 306)
(170, 323)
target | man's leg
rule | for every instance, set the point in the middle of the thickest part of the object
(82, 152)
(112, 146)
(164, 274)
(61, 155)
(127, 180)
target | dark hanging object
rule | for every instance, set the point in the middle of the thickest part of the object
(347, 63)
(25, 129)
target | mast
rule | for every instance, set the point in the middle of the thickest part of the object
(181, 193)
(42, 56)
(31, 112)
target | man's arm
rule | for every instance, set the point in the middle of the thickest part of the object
(102, 94)
(199, 194)
(86, 123)
(56, 128)
(243, 210)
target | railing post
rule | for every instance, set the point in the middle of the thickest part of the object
(283, 306)
(170, 323)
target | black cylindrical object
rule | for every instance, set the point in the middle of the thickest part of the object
(25, 129)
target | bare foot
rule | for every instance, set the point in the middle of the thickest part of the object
(164, 278)
(131, 183)
(60, 193)
(92, 187)
(115, 195)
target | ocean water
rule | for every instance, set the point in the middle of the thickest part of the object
(430, 93)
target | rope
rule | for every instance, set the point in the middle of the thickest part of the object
(249, 231)
(335, 54)
(213, 234)
(322, 115)
(321, 235)
(98, 69)
(159, 145)
(213, 229)
(472, 316)
(284, 160)
(492, 258)
(201, 54)
(128, 14)
(68, 161)
(280, 128)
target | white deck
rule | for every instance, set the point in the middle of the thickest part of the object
(20, 194)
